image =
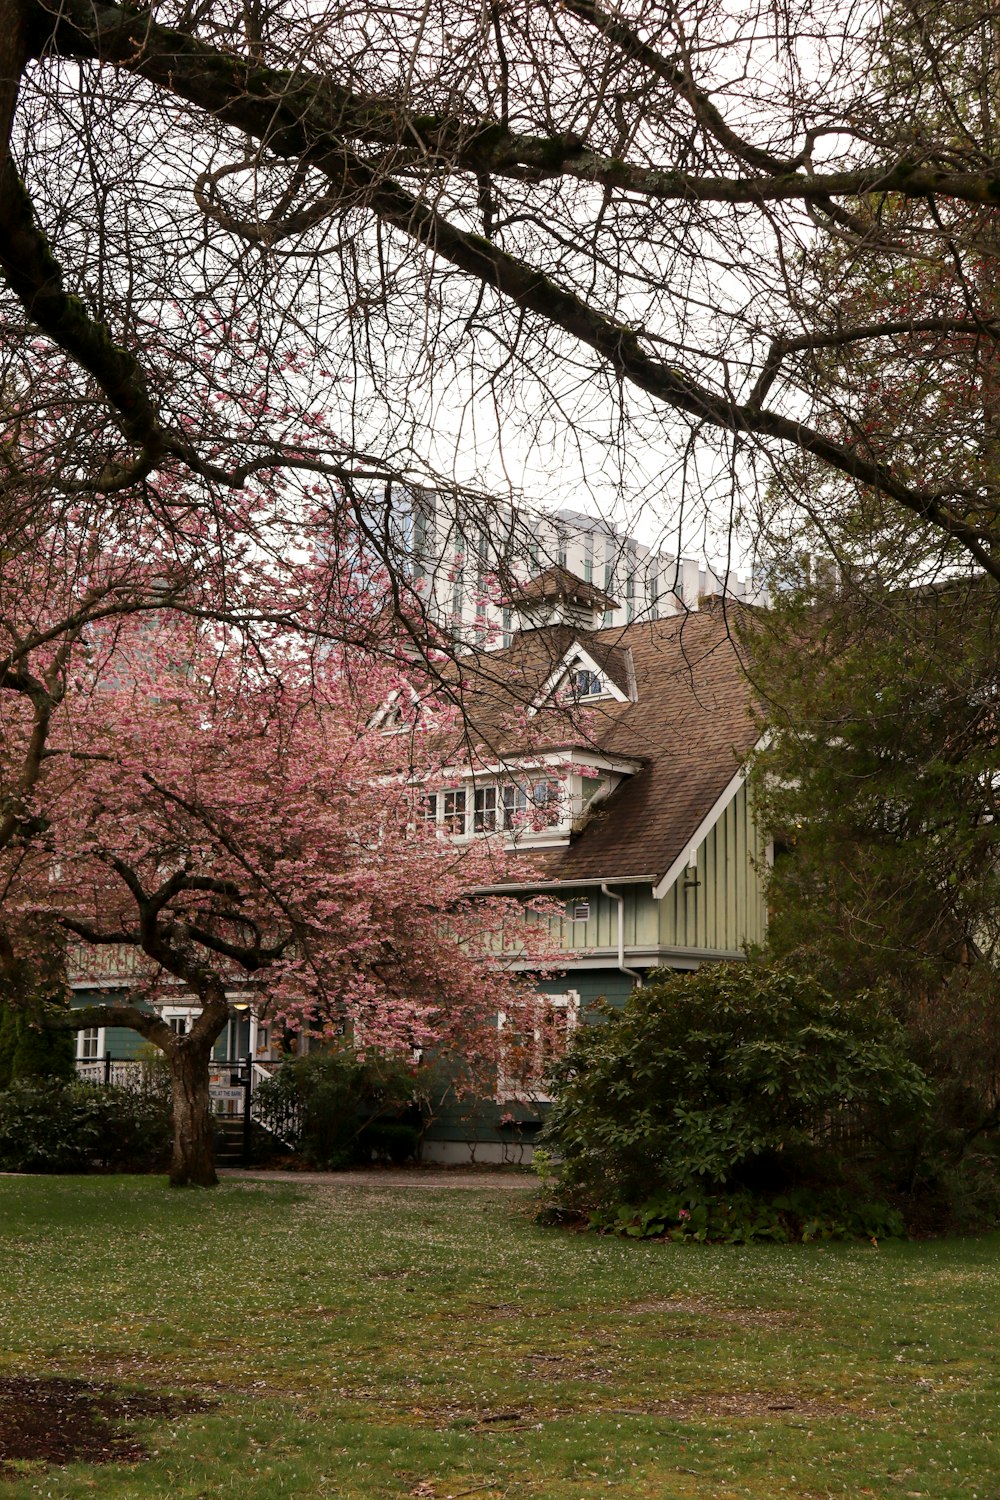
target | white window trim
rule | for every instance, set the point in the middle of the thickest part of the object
(98, 1056)
(574, 658)
(511, 1091)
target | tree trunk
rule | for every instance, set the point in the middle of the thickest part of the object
(193, 1160)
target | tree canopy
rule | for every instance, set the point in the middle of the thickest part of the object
(547, 217)
(221, 810)
(878, 785)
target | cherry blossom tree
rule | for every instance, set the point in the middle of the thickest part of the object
(233, 817)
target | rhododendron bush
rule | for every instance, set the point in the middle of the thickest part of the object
(189, 776)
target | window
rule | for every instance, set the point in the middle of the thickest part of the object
(546, 798)
(531, 805)
(515, 806)
(587, 684)
(531, 1043)
(429, 808)
(177, 1024)
(485, 815)
(454, 811)
(89, 1044)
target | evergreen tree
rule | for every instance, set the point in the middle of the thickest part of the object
(31, 1046)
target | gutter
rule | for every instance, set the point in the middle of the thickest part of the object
(633, 974)
(563, 885)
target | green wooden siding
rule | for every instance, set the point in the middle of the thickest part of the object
(122, 1042)
(590, 985)
(722, 913)
(725, 910)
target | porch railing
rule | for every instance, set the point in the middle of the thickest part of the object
(236, 1082)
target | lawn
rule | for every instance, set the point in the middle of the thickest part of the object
(367, 1342)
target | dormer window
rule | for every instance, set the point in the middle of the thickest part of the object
(587, 684)
(530, 806)
(485, 815)
(582, 678)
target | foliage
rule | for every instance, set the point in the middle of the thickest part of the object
(733, 1076)
(31, 1047)
(878, 787)
(345, 1107)
(797, 1217)
(51, 1127)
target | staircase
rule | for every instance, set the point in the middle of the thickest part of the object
(229, 1141)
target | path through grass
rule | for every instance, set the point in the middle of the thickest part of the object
(369, 1344)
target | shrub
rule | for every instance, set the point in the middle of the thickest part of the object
(799, 1216)
(339, 1108)
(731, 1079)
(75, 1127)
(30, 1047)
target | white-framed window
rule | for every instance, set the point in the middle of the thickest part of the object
(515, 806)
(88, 1044)
(484, 818)
(527, 1048)
(455, 818)
(518, 808)
(530, 805)
(585, 683)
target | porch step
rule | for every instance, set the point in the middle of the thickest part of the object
(229, 1141)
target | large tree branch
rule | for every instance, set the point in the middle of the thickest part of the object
(146, 1023)
(249, 956)
(298, 116)
(35, 277)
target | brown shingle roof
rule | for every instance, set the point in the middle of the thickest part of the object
(689, 727)
(559, 583)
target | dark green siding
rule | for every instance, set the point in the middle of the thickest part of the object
(121, 1041)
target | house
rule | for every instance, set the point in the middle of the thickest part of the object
(612, 760)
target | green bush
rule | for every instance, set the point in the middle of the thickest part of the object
(731, 1079)
(30, 1047)
(77, 1127)
(339, 1109)
(799, 1216)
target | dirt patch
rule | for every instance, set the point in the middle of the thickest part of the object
(742, 1317)
(556, 1367)
(764, 1404)
(759, 1405)
(57, 1421)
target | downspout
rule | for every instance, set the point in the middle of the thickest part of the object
(633, 974)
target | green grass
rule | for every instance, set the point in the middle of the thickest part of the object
(367, 1342)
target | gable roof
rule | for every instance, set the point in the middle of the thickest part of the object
(689, 726)
(614, 665)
